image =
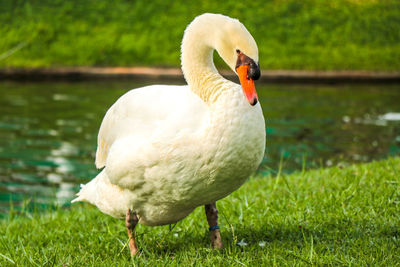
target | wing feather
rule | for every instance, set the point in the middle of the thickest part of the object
(146, 112)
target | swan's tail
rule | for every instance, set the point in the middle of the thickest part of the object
(109, 198)
(79, 198)
(87, 192)
(82, 193)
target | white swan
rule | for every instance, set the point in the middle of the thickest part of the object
(169, 149)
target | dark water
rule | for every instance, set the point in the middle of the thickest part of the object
(48, 131)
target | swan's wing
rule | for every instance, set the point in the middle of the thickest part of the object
(152, 112)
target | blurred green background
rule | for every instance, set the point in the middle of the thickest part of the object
(291, 34)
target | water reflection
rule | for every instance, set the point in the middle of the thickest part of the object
(48, 132)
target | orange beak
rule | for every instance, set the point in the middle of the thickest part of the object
(249, 89)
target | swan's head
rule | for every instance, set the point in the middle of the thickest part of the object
(233, 43)
(239, 50)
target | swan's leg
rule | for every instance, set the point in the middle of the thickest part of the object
(130, 222)
(212, 218)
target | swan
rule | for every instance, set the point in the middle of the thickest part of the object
(166, 150)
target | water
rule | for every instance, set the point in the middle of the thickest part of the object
(48, 131)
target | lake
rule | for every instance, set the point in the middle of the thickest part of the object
(48, 132)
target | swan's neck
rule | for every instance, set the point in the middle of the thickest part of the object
(197, 63)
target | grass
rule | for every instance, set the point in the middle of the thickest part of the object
(291, 34)
(337, 216)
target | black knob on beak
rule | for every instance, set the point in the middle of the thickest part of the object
(254, 71)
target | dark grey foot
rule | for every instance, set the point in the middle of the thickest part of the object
(130, 221)
(212, 218)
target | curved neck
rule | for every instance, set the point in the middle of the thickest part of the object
(197, 62)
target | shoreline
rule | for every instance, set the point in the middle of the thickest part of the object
(175, 74)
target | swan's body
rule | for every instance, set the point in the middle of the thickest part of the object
(169, 149)
(179, 156)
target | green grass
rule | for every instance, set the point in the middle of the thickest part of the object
(291, 34)
(338, 216)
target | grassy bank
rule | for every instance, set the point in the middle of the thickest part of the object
(311, 34)
(340, 216)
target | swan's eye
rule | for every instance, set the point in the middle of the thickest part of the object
(238, 51)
